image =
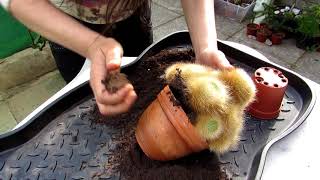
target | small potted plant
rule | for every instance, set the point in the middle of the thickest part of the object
(280, 19)
(199, 109)
(276, 38)
(263, 34)
(252, 29)
(308, 29)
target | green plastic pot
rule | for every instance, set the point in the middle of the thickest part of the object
(14, 36)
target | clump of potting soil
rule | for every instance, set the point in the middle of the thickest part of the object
(218, 99)
(178, 88)
(115, 81)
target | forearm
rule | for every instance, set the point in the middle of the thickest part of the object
(42, 17)
(201, 23)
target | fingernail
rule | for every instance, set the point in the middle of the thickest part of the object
(132, 96)
(115, 62)
(129, 86)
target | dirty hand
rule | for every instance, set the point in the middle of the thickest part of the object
(213, 58)
(106, 54)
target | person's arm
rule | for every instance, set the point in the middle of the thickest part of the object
(105, 53)
(201, 24)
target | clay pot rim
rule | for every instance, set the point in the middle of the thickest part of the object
(264, 31)
(179, 119)
(263, 26)
(261, 37)
(253, 25)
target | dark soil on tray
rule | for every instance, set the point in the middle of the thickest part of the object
(126, 156)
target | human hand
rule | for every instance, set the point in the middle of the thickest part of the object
(213, 58)
(106, 54)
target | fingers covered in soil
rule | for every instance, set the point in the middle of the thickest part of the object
(115, 81)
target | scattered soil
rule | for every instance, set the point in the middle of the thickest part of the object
(126, 156)
(198, 166)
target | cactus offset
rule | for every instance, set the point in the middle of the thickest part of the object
(242, 88)
(209, 127)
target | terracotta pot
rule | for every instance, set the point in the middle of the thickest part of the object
(252, 29)
(263, 26)
(271, 85)
(164, 131)
(261, 37)
(263, 34)
(277, 38)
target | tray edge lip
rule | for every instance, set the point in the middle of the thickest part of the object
(17, 130)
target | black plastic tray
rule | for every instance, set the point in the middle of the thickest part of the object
(56, 144)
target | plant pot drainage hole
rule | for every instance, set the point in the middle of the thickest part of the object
(259, 79)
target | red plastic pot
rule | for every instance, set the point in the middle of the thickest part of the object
(271, 85)
(164, 131)
(252, 29)
(276, 38)
(261, 37)
(263, 34)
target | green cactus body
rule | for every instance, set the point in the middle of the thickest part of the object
(212, 125)
(215, 86)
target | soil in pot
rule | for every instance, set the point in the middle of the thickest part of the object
(178, 88)
(125, 156)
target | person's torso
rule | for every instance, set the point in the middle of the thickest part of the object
(99, 11)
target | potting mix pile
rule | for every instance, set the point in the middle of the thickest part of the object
(125, 156)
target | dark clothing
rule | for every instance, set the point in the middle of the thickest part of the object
(133, 33)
